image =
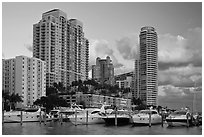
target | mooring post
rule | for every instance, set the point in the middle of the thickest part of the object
(21, 117)
(162, 118)
(61, 119)
(187, 116)
(75, 117)
(66, 117)
(44, 118)
(87, 117)
(150, 124)
(3, 111)
(40, 116)
(116, 122)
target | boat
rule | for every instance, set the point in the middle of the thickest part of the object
(142, 118)
(65, 111)
(90, 116)
(28, 115)
(122, 118)
(71, 110)
(55, 114)
(179, 118)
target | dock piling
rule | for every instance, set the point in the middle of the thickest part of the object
(3, 112)
(116, 122)
(40, 116)
(44, 118)
(75, 117)
(187, 116)
(61, 119)
(150, 124)
(87, 117)
(162, 118)
(21, 117)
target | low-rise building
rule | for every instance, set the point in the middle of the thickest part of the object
(93, 100)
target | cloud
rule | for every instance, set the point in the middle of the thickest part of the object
(180, 76)
(102, 49)
(178, 97)
(29, 47)
(179, 57)
(128, 46)
(179, 50)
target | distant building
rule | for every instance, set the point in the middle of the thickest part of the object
(146, 81)
(103, 71)
(124, 80)
(71, 99)
(25, 76)
(61, 43)
(93, 100)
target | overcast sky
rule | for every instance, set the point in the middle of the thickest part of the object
(113, 29)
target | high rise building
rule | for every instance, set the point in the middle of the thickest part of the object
(103, 71)
(146, 67)
(61, 43)
(25, 76)
(135, 80)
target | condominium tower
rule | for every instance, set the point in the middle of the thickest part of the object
(146, 67)
(103, 71)
(61, 43)
(25, 76)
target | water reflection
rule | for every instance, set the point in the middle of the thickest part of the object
(67, 128)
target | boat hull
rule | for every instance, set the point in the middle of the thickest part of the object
(15, 117)
(144, 120)
(120, 120)
(178, 122)
(83, 120)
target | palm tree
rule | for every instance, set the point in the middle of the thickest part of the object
(15, 98)
(11, 99)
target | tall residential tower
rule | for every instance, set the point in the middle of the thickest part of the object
(146, 67)
(61, 43)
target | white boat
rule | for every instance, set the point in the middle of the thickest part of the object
(143, 117)
(71, 110)
(179, 118)
(55, 113)
(95, 116)
(28, 115)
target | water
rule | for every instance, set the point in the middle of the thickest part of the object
(67, 128)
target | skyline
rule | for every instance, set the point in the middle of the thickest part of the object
(115, 32)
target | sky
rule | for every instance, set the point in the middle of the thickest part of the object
(113, 30)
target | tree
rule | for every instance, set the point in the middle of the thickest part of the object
(11, 99)
(137, 101)
(15, 98)
(59, 86)
(51, 90)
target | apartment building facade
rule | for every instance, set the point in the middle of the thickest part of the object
(61, 43)
(25, 76)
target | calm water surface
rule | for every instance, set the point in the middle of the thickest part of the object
(67, 128)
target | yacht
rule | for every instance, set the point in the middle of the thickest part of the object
(65, 111)
(123, 118)
(55, 113)
(28, 115)
(143, 117)
(95, 116)
(179, 117)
